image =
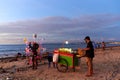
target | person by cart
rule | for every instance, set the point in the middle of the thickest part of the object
(89, 56)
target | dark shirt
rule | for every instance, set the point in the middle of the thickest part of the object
(50, 57)
(34, 48)
(90, 52)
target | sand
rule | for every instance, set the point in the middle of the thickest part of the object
(106, 67)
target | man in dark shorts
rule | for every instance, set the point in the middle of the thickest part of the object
(34, 50)
(89, 55)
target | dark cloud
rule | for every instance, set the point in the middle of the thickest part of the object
(63, 27)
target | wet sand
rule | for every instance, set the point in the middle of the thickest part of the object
(106, 67)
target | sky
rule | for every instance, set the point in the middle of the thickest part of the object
(59, 20)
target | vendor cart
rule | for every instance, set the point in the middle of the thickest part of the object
(67, 60)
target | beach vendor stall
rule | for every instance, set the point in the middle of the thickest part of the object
(68, 58)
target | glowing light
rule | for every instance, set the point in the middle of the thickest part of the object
(66, 42)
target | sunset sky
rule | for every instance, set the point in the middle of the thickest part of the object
(59, 20)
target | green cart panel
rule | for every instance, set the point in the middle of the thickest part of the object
(70, 58)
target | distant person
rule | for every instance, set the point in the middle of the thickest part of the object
(98, 45)
(89, 56)
(94, 45)
(103, 45)
(50, 59)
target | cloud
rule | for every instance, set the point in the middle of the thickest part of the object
(57, 27)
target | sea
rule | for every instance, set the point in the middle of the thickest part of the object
(13, 49)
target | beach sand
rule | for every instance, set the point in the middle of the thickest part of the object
(106, 67)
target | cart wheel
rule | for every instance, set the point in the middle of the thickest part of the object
(62, 67)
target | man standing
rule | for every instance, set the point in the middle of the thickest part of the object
(35, 53)
(89, 55)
